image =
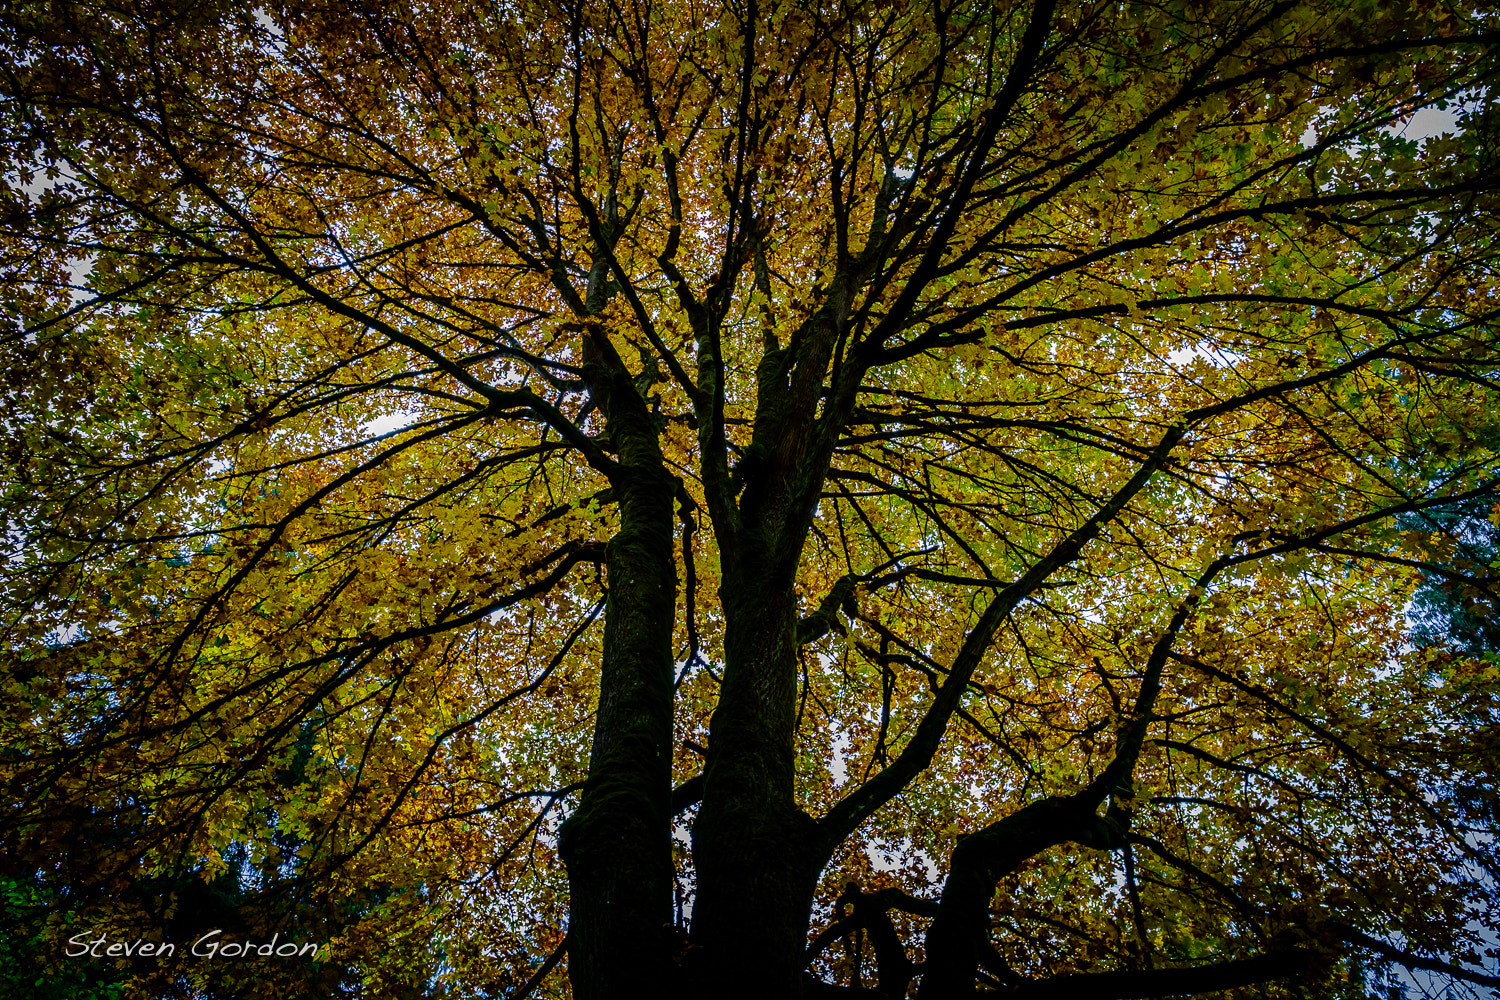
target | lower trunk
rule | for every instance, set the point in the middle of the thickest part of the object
(617, 844)
(755, 893)
(752, 845)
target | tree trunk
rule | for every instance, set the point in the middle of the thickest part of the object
(617, 845)
(752, 845)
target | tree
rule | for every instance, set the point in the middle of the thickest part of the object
(887, 445)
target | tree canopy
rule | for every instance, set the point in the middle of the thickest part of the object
(749, 499)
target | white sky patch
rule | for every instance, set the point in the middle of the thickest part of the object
(267, 23)
(1427, 123)
(1185, 355)
(64, 635)
(79, 272)
(885, 858)
(388, 422)
(838, 768)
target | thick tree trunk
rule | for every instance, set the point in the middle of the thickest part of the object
(752, 845)
(617, 845)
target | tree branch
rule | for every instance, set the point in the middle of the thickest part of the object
(1411, 961)
(859, 804)
(1172, 982)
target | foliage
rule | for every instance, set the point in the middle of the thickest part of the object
(26, 970)
(1456, 602)
(652, 491)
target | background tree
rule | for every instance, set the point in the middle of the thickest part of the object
(1456, 602)
(955, 443)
